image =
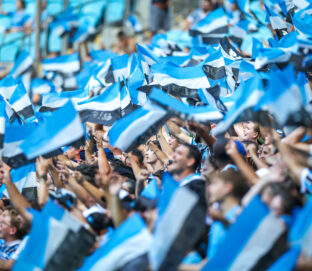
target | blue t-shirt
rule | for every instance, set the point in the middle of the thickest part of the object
(19, 19)
(218, 232)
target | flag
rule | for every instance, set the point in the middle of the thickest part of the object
(41, 86)
(255, 249)
(203, 114)
(247, 96)
(119, 65)
(22, 64)
(283, 89)
(180, 223)
(101, 55)
(214, 66)
(271, 55)
(2, 122)
(178, 81)
(287, 261)
(25, 181)
(57, 241)
(212, 28)
(276, 22)
(135, 128)
(128, 242)
(151, 190)
(62, 64)
(213, 96)
(102, 109)
(62, 128)
(13, 137)
(126, 105)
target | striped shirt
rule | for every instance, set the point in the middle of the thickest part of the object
(7, 249)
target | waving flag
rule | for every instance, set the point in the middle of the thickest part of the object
(213, 96)
(283, 90)
(179, 81)
(120, 67)
(102, 109)
(214, 66)
(62, 64)
(249, 95)
(25, 180)
(276, 22)
(252, 250)
(179, 225)
(126, 105)
(22, 64)
(213, 27)
(203, 114)
(3, 118)
(41, 86)
(133, 129)
(62, 128)
(128, 242)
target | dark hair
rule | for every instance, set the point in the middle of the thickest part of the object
(88, 171)
(125, 171)
(194, 153)
(138, 154)
(99, 222)
(131, 186)
(237, 180)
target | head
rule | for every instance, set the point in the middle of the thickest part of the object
(186, 158)
(10, 225)
(173, 142)
(225, 184)
(265, 151)
(1, 170)
(20, 4)
(207, 5)
(251, 131)
(150, 156)
(219, 155)
(72, 153)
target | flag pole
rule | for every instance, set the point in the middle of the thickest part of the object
(65, 37)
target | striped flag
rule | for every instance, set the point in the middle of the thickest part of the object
(247, 96)
(41, 86)
(102, 109)
(3, 117)
(62, 64)
(25, 180)
(180, 223)
(257, 248)
(276, 22)
(214, 66)
(179, 81)
(135, 128)
(62, 128)
(22, 64)
(203, 114)
(212, 28)
(130, 241)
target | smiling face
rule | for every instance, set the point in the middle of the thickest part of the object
(265, 151)
(180, 160)
(250, 131)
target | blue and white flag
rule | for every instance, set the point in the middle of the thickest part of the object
(178, 81)
(276, 22)
(135, 128)
(62, 64)
(25, 181)
(15, 95)
(214, 66)
(41, 86)
(202, 114)
(151, 190)
(126, 105)
(62, 128)
(147, 59)
(22, 64)
(102, 109)
(253, 249)
(3, 118)
(119, 65)
(180, 223)
(283, 89)
(249, 95)
(128, 242)
(212, 28)
(271, 55)
(14, 136)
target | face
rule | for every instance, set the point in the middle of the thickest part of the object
(265, 152)
(206, 170)
(1, 171)
(217, 190)
(18, 4)
(249, 131)
(180, 160)
(206, 6)
(6, 229)
(72, 153)
(150, 157)
(173, 142)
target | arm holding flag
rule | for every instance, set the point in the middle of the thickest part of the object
(42, 170)
(164, 144)
(175, 130)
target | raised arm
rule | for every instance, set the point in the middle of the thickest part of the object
(177, 132)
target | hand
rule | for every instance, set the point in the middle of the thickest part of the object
(99, 138)
(231, 148)
(78, 177)
(143, 175)
(7, 175)
(42, 167)
(115, 184)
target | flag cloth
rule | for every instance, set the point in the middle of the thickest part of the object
(128, 242)
(133, 129)
(62, 128)
(62, 64)
(251, 250)
(25, 180)
(179, 224)
(22, 64)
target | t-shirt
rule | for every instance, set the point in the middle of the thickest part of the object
(7, 249)
(19, 19)
(218, 232)
(20, 248)
(196, 16)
